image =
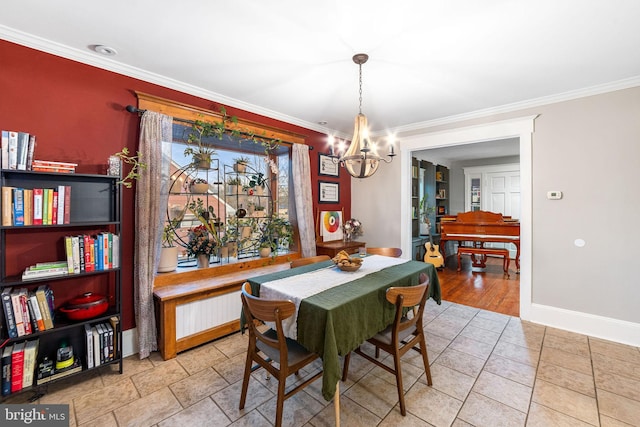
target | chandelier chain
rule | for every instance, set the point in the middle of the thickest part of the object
(360, 108)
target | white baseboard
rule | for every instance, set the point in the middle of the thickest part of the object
(130, 342)
(606, 328)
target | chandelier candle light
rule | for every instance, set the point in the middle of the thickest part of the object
(361, 160)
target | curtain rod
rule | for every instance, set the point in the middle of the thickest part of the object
(136, 110)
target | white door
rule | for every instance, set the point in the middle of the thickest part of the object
(502, 191)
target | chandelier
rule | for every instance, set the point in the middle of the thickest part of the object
(361, 159)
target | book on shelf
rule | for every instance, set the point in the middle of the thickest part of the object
(96, 345)
(32, 316)
(7, 206)
(45, 206)
(37, 206)
(114, 321)
(61, 373)
(13, 150)
(47, 314)
(108, 352)
(75, 251)
(36, 311)
(30, 357)
(67, 204)
(23, 150)
(81, 249)
(18, 206)
(28, 206)
(89, 345)
(31, 151)
(7, 307)
(50, 205)
(6, 370)
(17, 312)
(60, 200)
(116, 251)
(101, 342)
(17, 366)
(4, 150)
(87, 244)
(54, 208)
(26, 318)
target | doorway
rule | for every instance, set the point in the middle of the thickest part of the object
(521, 128)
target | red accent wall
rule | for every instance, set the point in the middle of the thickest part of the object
(78, 114)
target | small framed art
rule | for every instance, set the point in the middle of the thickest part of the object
(327, 166)
(328, 192)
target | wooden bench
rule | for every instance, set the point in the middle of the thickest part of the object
(483, 252)
(198, 306)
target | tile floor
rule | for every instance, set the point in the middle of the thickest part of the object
(488, 370)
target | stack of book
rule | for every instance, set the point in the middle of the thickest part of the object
(27, 312)
(37, 206)
(53, 166)
(41, 270)
(18, 366)
(17, 150)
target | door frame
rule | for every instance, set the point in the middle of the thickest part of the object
(522, 128)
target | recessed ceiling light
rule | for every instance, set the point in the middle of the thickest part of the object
(104, 50)
(322, 122)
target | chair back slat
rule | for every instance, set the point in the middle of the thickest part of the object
(309, 260)
(392, 252)
(267, 310)
(409, 296)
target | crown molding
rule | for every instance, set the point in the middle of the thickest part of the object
(521, 105)
(94, 59)
(105, 63)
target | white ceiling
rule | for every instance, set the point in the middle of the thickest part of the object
(291, 60)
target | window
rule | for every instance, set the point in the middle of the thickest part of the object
(243, 204)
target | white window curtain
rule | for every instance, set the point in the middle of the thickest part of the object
(301, 175)
(150, 209)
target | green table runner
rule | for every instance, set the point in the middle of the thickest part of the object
(336, 321)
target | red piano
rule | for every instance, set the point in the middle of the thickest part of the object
(478, 228)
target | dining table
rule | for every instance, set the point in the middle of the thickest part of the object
(336, 311)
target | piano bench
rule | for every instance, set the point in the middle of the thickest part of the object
(472, 251)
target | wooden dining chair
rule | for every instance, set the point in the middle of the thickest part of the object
(309, 260)
(402, 335)
(272, 346)
(392, 252)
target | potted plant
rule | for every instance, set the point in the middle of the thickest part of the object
(425, 212)
(169, 252)
(200, 151)
(240, 164)
(234, 186)
(259, 211)
(199, 185)
(256, 185)
(275, 233)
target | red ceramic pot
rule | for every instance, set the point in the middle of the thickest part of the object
(85, 306)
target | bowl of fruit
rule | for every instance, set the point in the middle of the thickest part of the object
(347, 263)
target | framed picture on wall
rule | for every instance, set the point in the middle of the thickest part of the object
(328, 192)
(327, 166)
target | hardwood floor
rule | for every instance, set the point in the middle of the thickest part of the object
(488, 289)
